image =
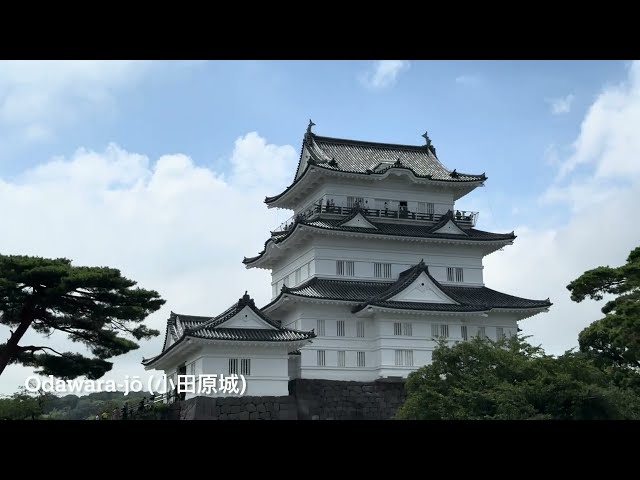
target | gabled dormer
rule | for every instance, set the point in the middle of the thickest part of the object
(448, 226)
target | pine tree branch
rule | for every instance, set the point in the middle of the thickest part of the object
(34, 348)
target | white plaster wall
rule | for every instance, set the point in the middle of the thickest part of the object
(320, 253)
(269, 368)
(401, 254)
(394, 189)
(380, 342)
(285, 270)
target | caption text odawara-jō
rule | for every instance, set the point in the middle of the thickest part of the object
(197, 384)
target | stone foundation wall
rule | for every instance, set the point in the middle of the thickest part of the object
(239, 408)
(308, 400)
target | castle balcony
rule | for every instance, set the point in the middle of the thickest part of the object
(463, 218)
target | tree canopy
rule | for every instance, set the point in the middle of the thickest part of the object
(95, 306)
(615, 339)
(512, 380)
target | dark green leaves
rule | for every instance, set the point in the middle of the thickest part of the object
(95, 306)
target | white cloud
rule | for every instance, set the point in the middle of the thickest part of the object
(253, 161)
(601, 228)
(609, 138)
(469, 80)
(384, 73)
(37, 95)
(171, 225)
(561, 105)
(551, 156)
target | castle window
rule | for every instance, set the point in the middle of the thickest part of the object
(426, 208)
(463, 331)
(438, 331)
(340, 328)
(455, 274)
(341, 358)
(360, 328)
(353, 201)
(382, 270)
(345, 268)
(233, 366)
(360, 358)
(245, 366)
(321, 358)
(482, 333)
(404, 358)
(499, 333)
(405, 329)
(320, 328)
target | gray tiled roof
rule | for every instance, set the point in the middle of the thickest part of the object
(181, 326)
(359, 156)
(253, 334)
(432, 307)
(372, 158)
(377, 293)
(408, 230)
(350, 290)
(392, 229)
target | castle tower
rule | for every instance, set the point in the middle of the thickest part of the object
(380, 262)
(376, 265)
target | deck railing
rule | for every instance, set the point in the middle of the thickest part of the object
(462, 217)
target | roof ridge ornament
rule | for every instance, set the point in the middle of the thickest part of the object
(428, 143)
(427, 140)
(309, 127)
(246, 300)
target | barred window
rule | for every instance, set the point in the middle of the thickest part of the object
(404, 358)
(345, 268)
(340, 328)
(438, 330)
(455, 274)
(321, 358)
(245, 366)
(361, 359)
(320, 328)
(341, 358)
(233, 366)
(382, 270)
(360, 328)
(464, 332)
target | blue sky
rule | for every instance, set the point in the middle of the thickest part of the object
(131, 164)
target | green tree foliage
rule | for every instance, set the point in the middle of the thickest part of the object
(513, 380)
(615, 339)
(23, 405)
(95, 306)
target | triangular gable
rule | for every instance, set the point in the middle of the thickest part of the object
(245, 318)
(304, 160)
(358, 221)
(450, 228)
(422, 290)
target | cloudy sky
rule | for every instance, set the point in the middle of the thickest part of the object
(160, 168)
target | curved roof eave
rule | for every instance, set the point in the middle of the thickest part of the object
(377, 176)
